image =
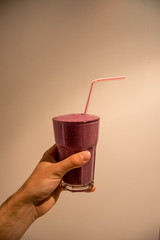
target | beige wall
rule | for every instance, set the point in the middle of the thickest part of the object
(50, 52)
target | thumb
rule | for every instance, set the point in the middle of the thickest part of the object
(74, 161)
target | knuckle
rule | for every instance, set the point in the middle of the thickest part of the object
(76, 160)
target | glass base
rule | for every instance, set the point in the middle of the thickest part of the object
(78, 188)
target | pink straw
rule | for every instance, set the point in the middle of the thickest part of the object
(100, 80)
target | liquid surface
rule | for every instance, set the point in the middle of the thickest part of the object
(76, 118)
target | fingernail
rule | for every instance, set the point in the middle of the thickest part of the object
(85, 155)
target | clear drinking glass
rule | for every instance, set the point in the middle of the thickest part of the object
(74, 133)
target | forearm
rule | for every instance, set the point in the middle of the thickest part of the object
(15, 217)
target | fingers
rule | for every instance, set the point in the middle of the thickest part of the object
(74, 161)
(51, 155)
(92, 189)
(51, 151)
(61, 168)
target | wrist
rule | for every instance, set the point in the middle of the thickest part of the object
(16, 216)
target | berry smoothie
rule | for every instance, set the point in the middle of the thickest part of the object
(74, 133)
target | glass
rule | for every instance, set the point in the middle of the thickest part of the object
(74, 133)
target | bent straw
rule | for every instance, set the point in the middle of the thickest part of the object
(99, 80)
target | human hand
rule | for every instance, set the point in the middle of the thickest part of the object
(38, 194)
(43, 187)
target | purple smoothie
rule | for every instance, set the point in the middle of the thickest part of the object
(75, 133)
